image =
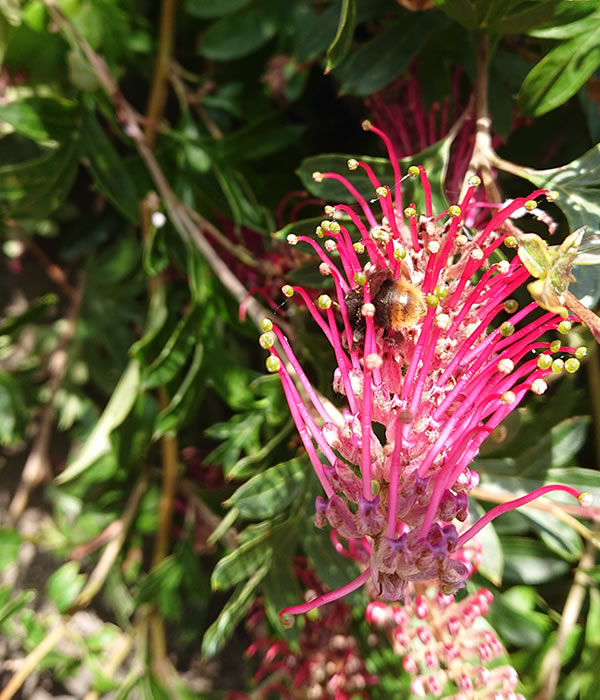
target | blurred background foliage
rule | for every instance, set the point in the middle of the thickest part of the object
(153, 156)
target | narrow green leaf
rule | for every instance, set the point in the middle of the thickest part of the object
(530, 562)
(157, 317)
(117, 409)
(33, 312)
(492, 564)
(175, 353)
(15, 604)
(179, 408)
(239, 564)
(10, 543)
(269, 493)
(545, 14)
(64, 585)
(560, 74)
(340, 46)
(110, 174)
(231, 615)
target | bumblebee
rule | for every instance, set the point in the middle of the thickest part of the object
(398, 304)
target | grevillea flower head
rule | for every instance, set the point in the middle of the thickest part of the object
(423, 349)
(446, 646)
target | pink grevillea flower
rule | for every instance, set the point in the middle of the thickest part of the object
(446, 646)
(422, 350)
(325, 664)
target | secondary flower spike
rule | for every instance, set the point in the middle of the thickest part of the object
(430, 344)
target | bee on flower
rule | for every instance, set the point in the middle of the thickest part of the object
(429, 343)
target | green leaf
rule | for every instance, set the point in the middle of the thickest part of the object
(237, 606)
(35, 188)
(117, 409)
(530, 562)
(179, 408)
(10, 544)
(110, 175)
(161, 587)
(578, 184)
(269, 493)
(240, 433)
(434, 159)
(239, 564)
(343, 39)
(33, 312)
(175, 353)
(463, 11)
(492, 564)
(210, 8)
(560, 74)
(238, 35)
(43, 119)
(557, 535)
(551, 13)
(13, 605)
(281, 587)
(64, 585)
(155, 321)
(375, 64)
(332, 569)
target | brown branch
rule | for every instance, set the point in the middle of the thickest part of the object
(37, 466)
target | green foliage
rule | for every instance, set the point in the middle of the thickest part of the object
(130, 377)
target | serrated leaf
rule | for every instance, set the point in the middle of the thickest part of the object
(110, 174)
(64, 585)
(117, 409)
(560, 74)
(382, 59)
(578, 184)
(340, 46)
(239, 564)
(530, 562)
(269, 493)
(10, 543)
(237, 606)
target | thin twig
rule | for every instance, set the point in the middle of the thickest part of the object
(32, 661)
(105, 563)
(37, 466)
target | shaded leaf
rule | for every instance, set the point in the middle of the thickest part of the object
(238, 35)
(375, 64)
(530, 562)
(117, 409)
(110, 174)
(231, 615)
(269, 493)
(242, 562)
(10, 544)
(42, 119)
(560, 74)
(343, 39)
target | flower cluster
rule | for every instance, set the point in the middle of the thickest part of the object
(446, 644)
(431, 345)
(327, 662)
